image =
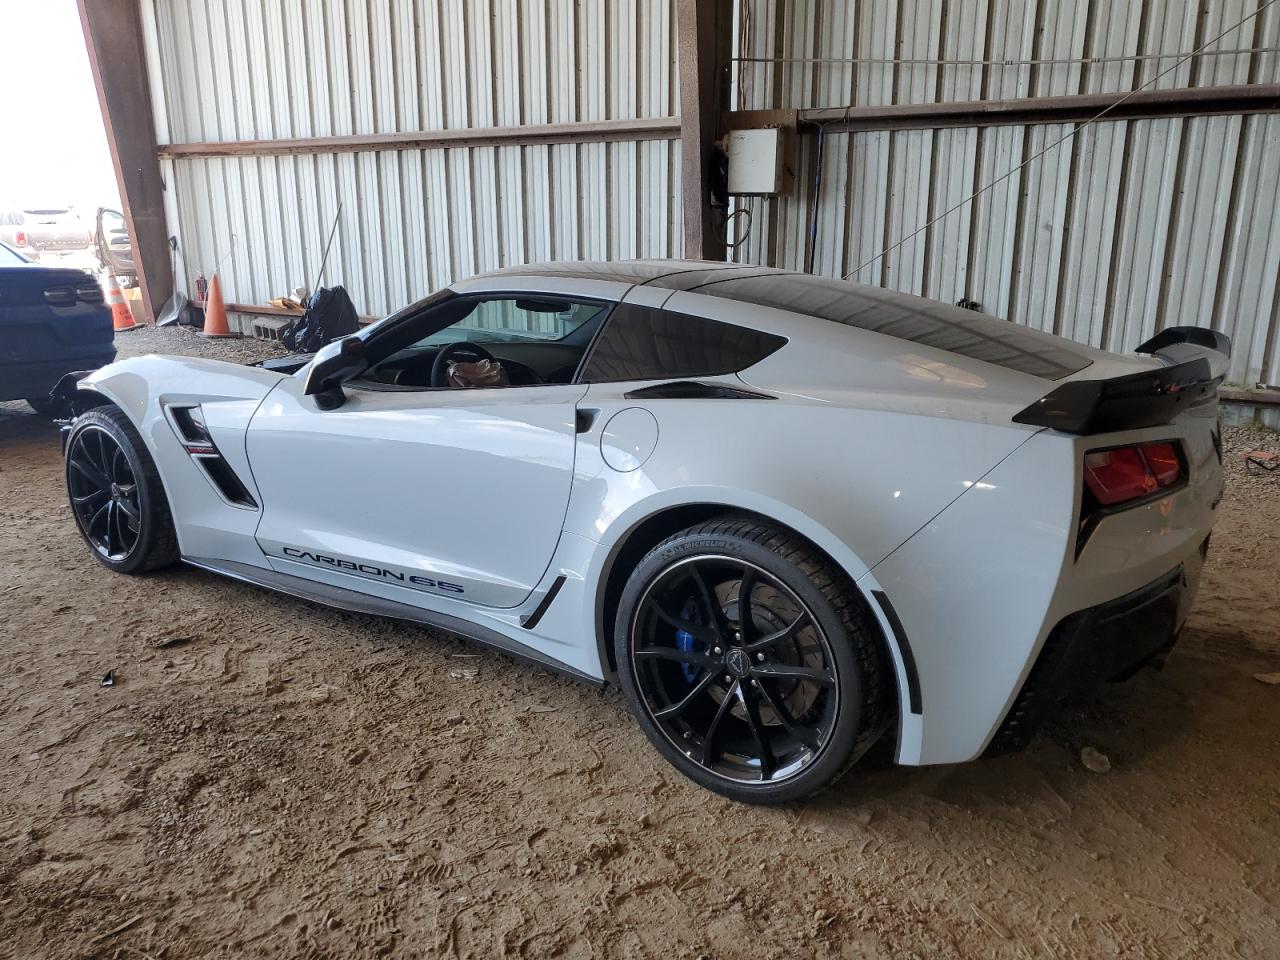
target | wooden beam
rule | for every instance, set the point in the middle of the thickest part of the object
(117, 57)
(1260, 395)
(1182, 102)
(601, 131)
(702, 39)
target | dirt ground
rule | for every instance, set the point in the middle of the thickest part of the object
(270, 778)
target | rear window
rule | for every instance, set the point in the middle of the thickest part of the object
(931, 324)
(640, 343)
(48, 212)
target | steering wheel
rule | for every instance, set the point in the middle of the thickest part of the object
(440, 368)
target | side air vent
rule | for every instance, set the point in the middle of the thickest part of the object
(695, 390)
(225, 479)
(189, 424)
(191, 428)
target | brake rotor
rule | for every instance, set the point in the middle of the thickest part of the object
(771, 611)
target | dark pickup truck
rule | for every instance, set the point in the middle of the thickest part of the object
(52, 321)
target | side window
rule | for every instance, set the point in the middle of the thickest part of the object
(640, 343)
(515, 340)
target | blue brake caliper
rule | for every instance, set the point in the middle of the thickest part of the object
(686, 641)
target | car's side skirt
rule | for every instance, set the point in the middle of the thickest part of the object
(355, 602)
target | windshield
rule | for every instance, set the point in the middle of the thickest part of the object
(513, 321)
(9, 258)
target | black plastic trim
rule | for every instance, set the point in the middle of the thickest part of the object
(532, 619)
(904, 648)
(69, 384)
(1130, 402)
(695, 390)
(1196, 336)
(225, 479)
(340, 598)
(584, 419)
(192, 432)
(289, 364)
(1107, 642)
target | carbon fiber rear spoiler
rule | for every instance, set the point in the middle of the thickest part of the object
(1197, 361)
(1195, 336)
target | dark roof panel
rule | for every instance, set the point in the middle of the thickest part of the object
(900, 315)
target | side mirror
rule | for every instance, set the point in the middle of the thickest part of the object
(334, 364)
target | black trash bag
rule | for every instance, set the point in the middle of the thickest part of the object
(330, 316)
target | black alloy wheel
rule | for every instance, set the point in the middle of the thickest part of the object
(117, 499)
(734, 669)
(748, 662)
(104, 493)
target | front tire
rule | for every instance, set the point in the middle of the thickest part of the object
(116, 495)
(768, 707)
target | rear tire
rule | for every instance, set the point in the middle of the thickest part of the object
(116, 495)
(769, 710)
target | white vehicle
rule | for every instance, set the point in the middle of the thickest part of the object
(786, 514)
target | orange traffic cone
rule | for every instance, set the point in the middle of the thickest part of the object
(215, 312)
(121, 318)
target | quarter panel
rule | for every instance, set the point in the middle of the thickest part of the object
(982, 585)
(857, 483)
(862, 480)
(973, 590)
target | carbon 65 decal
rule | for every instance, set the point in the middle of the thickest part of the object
(372, 571)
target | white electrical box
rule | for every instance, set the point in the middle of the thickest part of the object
(755, 162)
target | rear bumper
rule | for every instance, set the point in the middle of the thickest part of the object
(21, 380)
(1107, 642)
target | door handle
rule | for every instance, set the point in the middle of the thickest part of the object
(583, 420)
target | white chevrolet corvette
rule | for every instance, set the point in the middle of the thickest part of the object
(786, 514)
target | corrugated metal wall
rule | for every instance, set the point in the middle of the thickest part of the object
(1128, 227)
(412, 220)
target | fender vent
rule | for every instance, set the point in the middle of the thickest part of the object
(190, 427)
(225, 479)
(532, 619)
(695, 390)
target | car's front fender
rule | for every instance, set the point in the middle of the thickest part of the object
(228, 394)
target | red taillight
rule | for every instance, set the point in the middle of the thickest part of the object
(20, 238)
(1130, 473)
(1163, 460)
(1115, 476)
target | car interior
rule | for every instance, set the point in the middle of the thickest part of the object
(532, 340)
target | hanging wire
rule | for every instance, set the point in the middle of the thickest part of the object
(923, 61)
(731, 231)
(811, 238)
(1057, 143)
